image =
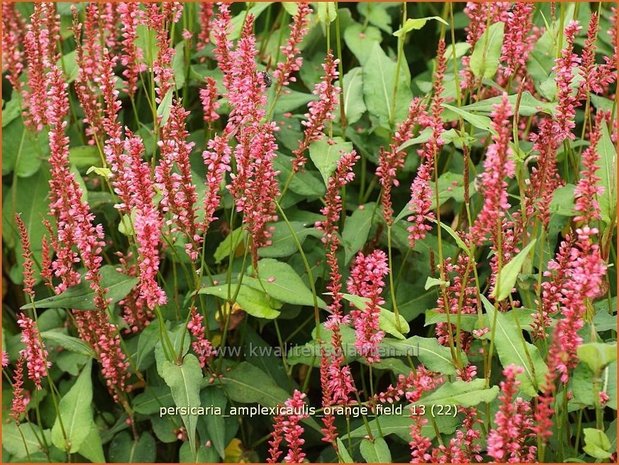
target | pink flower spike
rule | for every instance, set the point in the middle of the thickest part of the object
(366, 280)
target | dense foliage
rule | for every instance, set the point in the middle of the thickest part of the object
(379, 232)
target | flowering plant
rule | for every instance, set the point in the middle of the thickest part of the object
(297, 232)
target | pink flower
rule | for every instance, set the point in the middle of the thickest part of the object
(40, 50)
(130, 17)
(217, 162)
(206, 18)
(28, 273)
(576, 283)
(320, 111)
(517, 42)
(208, 97)
(159, 19)
(287, 428)
(173, 178)
(223, 46)
(21, 398)
(147, 221)
(567, 99)
(292, 61)
(201, 346)
(421, 192)
(329, 226)
(588, 188)
(391, 160)
(514, 424)
(12, 39)
(5, 359)
(366, 280)
(497, 166)
(34, 352)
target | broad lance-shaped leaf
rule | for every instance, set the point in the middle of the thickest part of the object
(356, 230)
(513, 349)
(487, 53)
(254, 302)
(379, 75)
(375, 451)
(461, 393)
(184, 382)
(19, 441)
(282, 282)
(386, 319)
(75, 413)
(325, 153)
(81, 297)
(509, 273)
(215, 424)
(248, 384)
(428, 350)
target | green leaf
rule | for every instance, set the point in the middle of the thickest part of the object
(75, 412)
(147, 41)
(509, 273)
(92, 448)
(20, 447)
(254, 302)
(379, 76)
(84, 156)
(597, 355)
(67, 342)
(596, 443)
(479, 121)
(327, 12)
(325, 153)
(215, 424)
(375, 451)
(165, 107)
(377, 14)
(428, 350)
(461, 393)
(513, 349)
(467, 322)
(31, 201)
(81, 297)
(292, 100)
(12, 110)
(354, 106)
(152, 399)
(124, 449)
(344, 454)
(282, 240)
(229, 245)
(432, 282)
(184, 382)
(248, 384)
(487, 52)
(400, 425)
(356, 230)
(528, 105)
(282, 282)
(413, 24)
(360, 41)
(387, 320)
(178, 65)
(68, 64)
(607, 172)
